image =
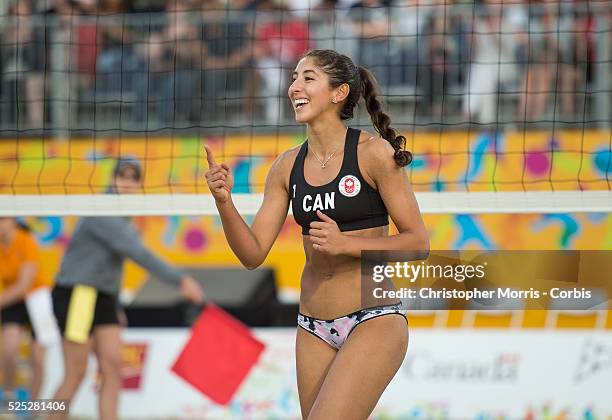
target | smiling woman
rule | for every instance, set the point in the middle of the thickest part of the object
(342, 184)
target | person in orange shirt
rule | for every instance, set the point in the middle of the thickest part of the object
(25, 301)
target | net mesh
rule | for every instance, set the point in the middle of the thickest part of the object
(506, 106)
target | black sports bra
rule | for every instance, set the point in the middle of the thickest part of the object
(349, 200)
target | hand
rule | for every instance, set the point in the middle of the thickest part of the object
(122, 318)
(192, 291)
(326, 236)
(219, 178)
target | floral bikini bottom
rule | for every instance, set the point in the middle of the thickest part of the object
(335, 331)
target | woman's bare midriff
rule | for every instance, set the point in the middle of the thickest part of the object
(331, 284)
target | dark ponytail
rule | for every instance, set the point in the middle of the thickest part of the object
(380, 120)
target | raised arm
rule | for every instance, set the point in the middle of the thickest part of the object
(123, 239)
(250, 244)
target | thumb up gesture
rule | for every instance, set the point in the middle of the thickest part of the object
(219, 178)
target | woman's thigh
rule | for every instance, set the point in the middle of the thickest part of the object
(108, 348)
(75, 359)
(362, 369)
(313, 359)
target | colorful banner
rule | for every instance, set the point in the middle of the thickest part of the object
(445, 161)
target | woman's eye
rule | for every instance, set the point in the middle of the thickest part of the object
(308, 78)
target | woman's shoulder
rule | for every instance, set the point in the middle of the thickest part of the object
(292, 153)
(25, 241)
(374, 147)
(283, 165)
(286, 159)
(23, 237)
(375, 156)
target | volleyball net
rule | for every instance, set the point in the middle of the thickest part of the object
(505, 106)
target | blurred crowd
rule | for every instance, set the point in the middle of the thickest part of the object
(200, 61)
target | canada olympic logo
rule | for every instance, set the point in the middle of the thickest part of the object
(349, 186)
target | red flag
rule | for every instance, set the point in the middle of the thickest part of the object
(219, 354)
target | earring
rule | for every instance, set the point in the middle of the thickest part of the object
(335, 100)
